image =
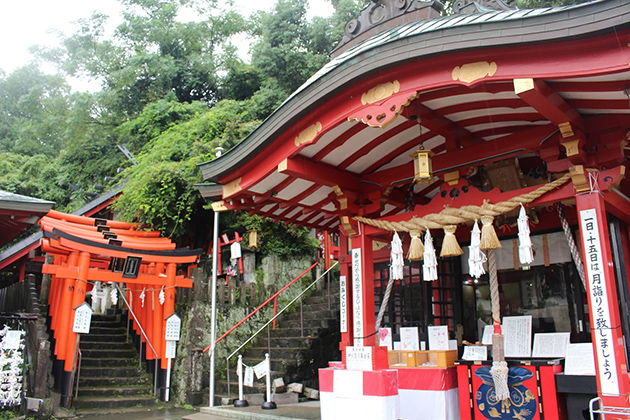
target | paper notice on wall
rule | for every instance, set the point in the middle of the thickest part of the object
(438, 337)
(248, 379)
(580, 359)
(550, 344)
(486, 338)
(475, 353)
(261, 369)
(385, 338)
(517, 331)
(409, 338)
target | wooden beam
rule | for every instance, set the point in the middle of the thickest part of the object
(319, 173)
(548, 103)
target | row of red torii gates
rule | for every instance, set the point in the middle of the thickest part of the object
(88, 250)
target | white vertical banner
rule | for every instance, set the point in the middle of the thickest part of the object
(602, 333)
(343, 304)
(357, 297)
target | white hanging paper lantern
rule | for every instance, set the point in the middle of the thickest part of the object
(476, 258)
(525, 251)
(397, 262)
(429, 268)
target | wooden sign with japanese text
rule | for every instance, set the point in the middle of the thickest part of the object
(357, 297)
(82, 319)
(595, 274)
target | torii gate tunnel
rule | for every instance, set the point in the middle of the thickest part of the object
(88, 250)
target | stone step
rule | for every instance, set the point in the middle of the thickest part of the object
(98, 381)
(108, 362)
(308, 323)
(104, 338)
(118, 390)
(110, 371)
(281, 331)
(86, 344)
(107, 329)
(127, 352)
(113, 402)
(285, 353)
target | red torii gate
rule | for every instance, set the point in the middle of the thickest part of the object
(91, 249)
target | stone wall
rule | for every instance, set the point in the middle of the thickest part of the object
(190, 376)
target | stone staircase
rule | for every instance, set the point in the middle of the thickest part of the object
(296, 354)
(111, 380)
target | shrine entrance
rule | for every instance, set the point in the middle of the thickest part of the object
(89, 253)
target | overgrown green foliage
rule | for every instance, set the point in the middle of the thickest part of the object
(282, 240)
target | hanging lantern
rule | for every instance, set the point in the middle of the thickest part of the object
(422, 165)
(422, 171)
(253, 239)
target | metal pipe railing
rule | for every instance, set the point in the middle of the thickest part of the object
(227, 359)
(275, 295)
(155, 374)
(76, 388)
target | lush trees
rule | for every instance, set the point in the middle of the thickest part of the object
(172, 91)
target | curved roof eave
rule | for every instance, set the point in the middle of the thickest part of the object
(420, 40)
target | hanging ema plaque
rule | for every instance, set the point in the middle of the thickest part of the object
(602, 334)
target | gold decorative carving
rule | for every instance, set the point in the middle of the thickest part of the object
(308, 135)
(337, 190)
(232, 188)
(523, 85)
(219, 206)
(381, 115)
(380, 92)
(573, 147)
(470, 72)
(346, 223)
(452, 178)
(282, 166)
(343, 203)
(566, 130)
(578, 176)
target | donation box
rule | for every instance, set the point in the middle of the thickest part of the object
(532, 391)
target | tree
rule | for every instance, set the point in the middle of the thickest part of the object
(151, 54)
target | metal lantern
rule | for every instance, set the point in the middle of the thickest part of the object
(253, 238)
(422, 165)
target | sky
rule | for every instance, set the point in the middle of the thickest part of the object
(24, 23)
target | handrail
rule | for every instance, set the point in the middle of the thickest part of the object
(155, 375)
(282, 310)
(260, 307)
(76, 388)
(227, 359)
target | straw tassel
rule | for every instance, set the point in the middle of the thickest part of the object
(489, 238)
(429, 268)
(450, 247)
(416, 249)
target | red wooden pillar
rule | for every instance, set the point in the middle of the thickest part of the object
(363, 267)
(169, 308)
(606, 330)
(65, 311)
(78, 297)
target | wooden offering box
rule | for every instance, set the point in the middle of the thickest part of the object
(422, 358)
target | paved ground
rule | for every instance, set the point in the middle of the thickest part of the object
(302, 411)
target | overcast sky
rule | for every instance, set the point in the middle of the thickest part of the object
(33, 22)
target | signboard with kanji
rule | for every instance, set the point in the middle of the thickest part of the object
(173, 327)
(595, 272)
(171, 346)
(82, 319)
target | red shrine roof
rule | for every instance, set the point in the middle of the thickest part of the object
(472, 88)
